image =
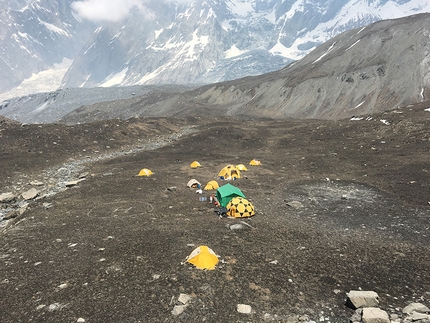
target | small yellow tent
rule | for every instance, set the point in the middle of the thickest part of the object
(203, 258)
(212, 185)
(145, 172)
(229, 172)
(241, 167)
(255, 162)
(239, 207)
(195, 164)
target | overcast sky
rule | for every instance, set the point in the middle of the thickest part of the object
(111, 10)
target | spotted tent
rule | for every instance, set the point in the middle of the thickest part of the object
(240, 207)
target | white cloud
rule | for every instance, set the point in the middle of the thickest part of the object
(114, 10)
(102, 10)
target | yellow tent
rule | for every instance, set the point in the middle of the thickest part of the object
(203, 258)
(255, 162)
(229, 172)
(212, 185)
(145, 172)
(238, 207)
(241, 167)
(195, 164)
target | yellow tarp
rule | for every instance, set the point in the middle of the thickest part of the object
(203, 258)
(145, 172)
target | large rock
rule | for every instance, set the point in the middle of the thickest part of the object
(30, 194)
(7, 197)
(416, 307)
(357, 299)
(374, 315)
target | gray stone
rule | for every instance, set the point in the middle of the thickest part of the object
(36, 183)
(7, 197)
(357, 299)
(178, 309)
(374, 315)
(244, 309)
(415, 316)
(416, 307)
(30, 194)
(295, 204)
(184, 298)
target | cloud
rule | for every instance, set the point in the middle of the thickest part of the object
(105, 10)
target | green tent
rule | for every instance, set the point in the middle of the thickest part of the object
(226, 192)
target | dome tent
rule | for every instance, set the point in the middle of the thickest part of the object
(239, 207)
(241, 167)
(145, 172)
(193, 183)
(195, 164)
(226, 192)
(203, 258)
(229, 172)
(212, 185)
(255, 162)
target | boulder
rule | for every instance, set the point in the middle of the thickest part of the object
(357, 299)
(416, 307)
(30, 194)
(7, 197)
(374, 315)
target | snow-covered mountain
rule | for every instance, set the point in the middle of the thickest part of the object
(165, 42)
(36, 35)
(214, 40)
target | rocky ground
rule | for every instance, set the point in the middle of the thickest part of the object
(341, 205)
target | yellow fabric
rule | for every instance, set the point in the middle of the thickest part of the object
(229, 172)
(212, 185)
(195, 164)
(203, 258)
(255, 162)
(241, 167)
(145, 172)
(239, 207)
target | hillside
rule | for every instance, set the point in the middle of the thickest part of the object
(376, 68)
(110, 246)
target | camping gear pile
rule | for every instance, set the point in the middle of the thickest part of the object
(229, 199)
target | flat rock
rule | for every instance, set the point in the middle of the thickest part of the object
(374, 315)
(244, 309)
(7, 197)
(30, 194)
(416, 307)
(357, 299)
(178, 309)
(295, 204)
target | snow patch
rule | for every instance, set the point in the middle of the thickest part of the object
(326, 53)
(233, 51)
(43, 81)
(115, 78)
